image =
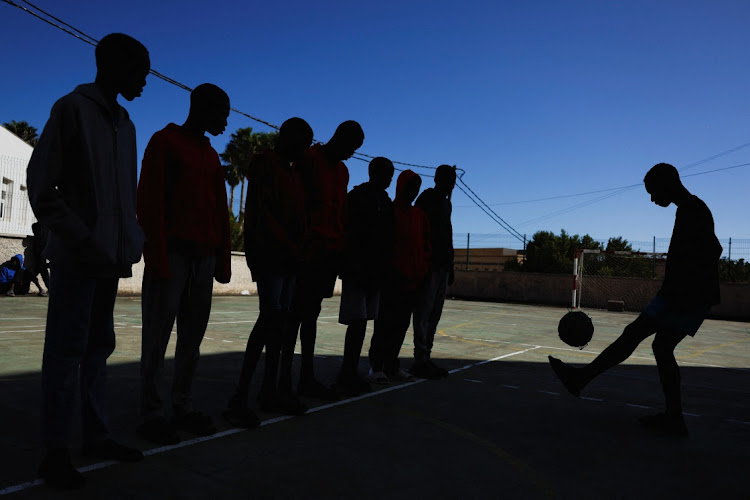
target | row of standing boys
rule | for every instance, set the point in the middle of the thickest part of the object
(301, 231)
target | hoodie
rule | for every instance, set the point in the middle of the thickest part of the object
(8, 270)
(411, 248)
(182, 201)
(325, 187)
(274, 216)
(82, 186)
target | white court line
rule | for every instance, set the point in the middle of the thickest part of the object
(229, 432)
(690, 414)
(550, 393)
(592, 399)
(737, 421)
(472, 380)
(638, 406)
(510, 386)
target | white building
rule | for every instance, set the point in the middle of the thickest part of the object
(16, 216)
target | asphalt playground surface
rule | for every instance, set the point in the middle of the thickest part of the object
(500, 426)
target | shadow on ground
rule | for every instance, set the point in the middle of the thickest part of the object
(500, 429)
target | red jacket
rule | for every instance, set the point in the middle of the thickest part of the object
(411, 251)
(182, 201)
(326, 186)
(274, 216)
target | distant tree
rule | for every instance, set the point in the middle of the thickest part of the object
(618, 244)
(734, 270)
(550, 253)
(232, 177)
(24, 131)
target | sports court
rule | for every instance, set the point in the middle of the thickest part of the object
(501, 426)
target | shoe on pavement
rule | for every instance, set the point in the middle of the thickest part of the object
(158, 431)
(379, 378)
(58, 472)
(314, 389)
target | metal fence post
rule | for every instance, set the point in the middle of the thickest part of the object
(468, 238)
(730, 250)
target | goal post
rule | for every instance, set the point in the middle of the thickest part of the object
(616, 280)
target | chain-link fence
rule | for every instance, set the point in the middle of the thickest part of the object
(16, 216)
(490, 251)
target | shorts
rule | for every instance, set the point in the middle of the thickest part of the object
(686, 322)
(358, 303)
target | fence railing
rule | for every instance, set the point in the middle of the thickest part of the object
(734, 249)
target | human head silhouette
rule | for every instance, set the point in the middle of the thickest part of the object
(295, 137)
(122, 64)
(345, 141)
(445, 179)
(663, 183)
(381, 172)
(209, 109)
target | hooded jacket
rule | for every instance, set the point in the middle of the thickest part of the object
(82, 186)
(182, 201)
(325, 187)
(411, 246)
(274, 216)
(7, 271)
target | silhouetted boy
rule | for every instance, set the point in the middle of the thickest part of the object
(690, 288)
(274, 245)
(326, 179)
(369, 237)
(182, 206)
(82, 187)
(409, 264)
(35, 262)
(436, 204)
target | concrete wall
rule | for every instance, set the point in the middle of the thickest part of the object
(555, 289)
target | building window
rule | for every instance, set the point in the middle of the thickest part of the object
(6, 199)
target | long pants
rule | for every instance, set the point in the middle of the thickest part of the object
(427, 313)
(185, 296)
(275, 297)
(79, 338)
(396, 308)
(663, 346)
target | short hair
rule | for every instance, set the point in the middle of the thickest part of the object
(207, 92)
(445, 173)
(116, 49)
(380, 163)
(296, 127)
(662, 174)
(351, 130)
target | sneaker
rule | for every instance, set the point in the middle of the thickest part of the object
(10, 293)
(379, 378)
(401, 376)
(423, 369)
(674, 426)
(108, 449)
(440, 371)
(314, 389)
(158, 431)
(567, 376)
(58, 472)
(240, 415)
(42, 293)
(194, 422)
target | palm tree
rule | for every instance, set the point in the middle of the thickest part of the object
(233, 179)
(243, 144)
(24, 131)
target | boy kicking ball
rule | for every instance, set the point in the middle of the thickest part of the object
(690, 288)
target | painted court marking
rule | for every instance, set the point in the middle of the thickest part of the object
(229, 432)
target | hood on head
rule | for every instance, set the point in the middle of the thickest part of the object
(403, 179)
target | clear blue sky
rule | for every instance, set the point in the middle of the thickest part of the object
(532, 99)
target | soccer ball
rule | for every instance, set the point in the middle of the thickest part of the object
(576, 329)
